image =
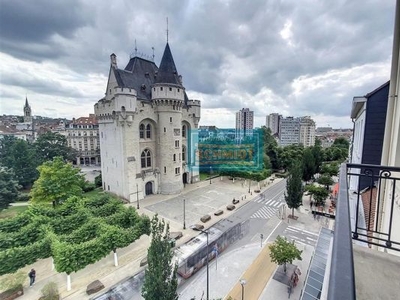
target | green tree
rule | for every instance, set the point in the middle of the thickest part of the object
(318, 154)
(308, 164)
(331, 169)
(290, 154)
(294, 188)
(282, 252)
(50, 145)
(341, 142)
(57, 182)
(160, 281)
(325, 180)
(20, 156)
(319, 194)
(8, 187)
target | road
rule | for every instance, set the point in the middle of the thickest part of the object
(264, 214)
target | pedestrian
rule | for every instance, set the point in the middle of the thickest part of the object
(311, 203)
(32, 276)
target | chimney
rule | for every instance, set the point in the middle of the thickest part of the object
(113, 59)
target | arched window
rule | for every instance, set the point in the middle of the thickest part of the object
(146, 159)
(183, 153)
(184, 131)
(141, 131)
(148, 131)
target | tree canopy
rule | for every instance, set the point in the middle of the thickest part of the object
(8, 187)
(319, 193)
(308, 164)
(50, 145)
(283, 252)
(294, 188)
(160, 281)
(57, 182)
(19, 156)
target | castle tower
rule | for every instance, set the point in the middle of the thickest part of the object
(27, 112)
(168, 96)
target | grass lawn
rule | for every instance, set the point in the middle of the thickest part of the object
(204, 176)
(98, 192)
(12, 211)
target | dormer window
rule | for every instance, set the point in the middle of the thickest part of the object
(161, 88)
(143, 87)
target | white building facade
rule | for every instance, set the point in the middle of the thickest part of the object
(145, 125)
(307, 132)
(295, 131)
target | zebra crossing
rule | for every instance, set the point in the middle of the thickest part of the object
(300, 235)
(269, 209)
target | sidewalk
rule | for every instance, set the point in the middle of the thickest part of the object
(130, 257)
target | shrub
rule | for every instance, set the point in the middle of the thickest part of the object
(13, 281)
(50, 291)
(98, 182)
(23, 197)
(88, 186)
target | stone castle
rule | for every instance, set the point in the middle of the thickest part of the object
(146, 127)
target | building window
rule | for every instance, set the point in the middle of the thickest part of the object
(148, 131)
(146, 159)
(184, 131)
(174, 157)
(165, 170)
(176, 144)
(141, 131)
(170, 89)
(161, 88)
(165, 129)
(184, 153)
(177, 171)
(170, 119)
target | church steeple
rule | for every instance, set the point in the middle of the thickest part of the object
(27, 112)
(167, 72)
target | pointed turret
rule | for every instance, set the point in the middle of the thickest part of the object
(26, 102)
(27, 112)
(167, 72)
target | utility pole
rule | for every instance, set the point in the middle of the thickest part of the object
(184, 212)
(137, 196)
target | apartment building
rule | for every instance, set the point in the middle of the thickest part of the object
(272, 121)
(244, 123)
(83, 135)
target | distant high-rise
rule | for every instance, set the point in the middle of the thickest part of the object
(295, 131)
(272, 122)
(244, 122)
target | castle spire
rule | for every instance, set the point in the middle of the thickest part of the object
(167, 72)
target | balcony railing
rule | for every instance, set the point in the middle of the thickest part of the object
(364, 212)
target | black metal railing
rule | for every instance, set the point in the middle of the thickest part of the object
(372, 190)
(364, 212)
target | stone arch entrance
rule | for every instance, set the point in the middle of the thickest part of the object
(149, 188)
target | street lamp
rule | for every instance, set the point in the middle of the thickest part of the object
(243, 283)
(137, 196)
(184, 216)
(208, 274)
(210, 173)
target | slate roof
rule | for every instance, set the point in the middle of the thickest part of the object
(167, 72)
(140, 74)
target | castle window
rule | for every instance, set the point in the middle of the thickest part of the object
(148, 131)
(170, 89)
(165, 170)
(174, 157)
(178, 90)
(141, 131)
(177, 171)
(165, 129)
(161, 88)
(170, 119)
(183, 153)
(184, 131)
(146, 159)
(176, 144)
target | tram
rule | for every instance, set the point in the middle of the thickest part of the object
(192, 255)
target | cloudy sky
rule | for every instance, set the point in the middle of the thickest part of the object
(297, 58)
